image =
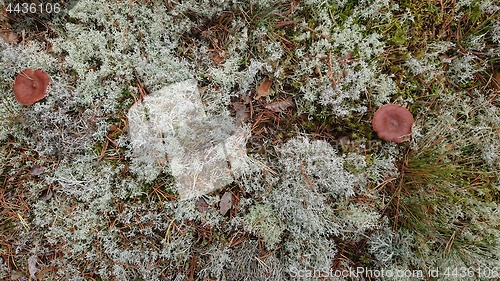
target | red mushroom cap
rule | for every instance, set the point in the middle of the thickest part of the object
(393, 122)
(31, 86)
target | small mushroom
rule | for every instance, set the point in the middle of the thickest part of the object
(393, 122)
(31, 86)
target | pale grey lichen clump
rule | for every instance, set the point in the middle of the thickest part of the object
(137, 215)
(314, 170)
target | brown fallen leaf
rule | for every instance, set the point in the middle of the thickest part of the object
(219, 57)
(33, 267)
(36, 170)
(226, 203)
(496, 81)
(202, 205)
(242, 113)
(280, 106)
(263, 89)
(46, 195)
(9, 36)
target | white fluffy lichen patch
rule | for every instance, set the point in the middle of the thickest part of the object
(297, 197)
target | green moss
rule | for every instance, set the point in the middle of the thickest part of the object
(400, 36)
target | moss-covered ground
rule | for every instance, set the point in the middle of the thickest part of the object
(305, 78)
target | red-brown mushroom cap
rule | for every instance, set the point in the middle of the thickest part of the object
(393, 122)
(31, 86)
